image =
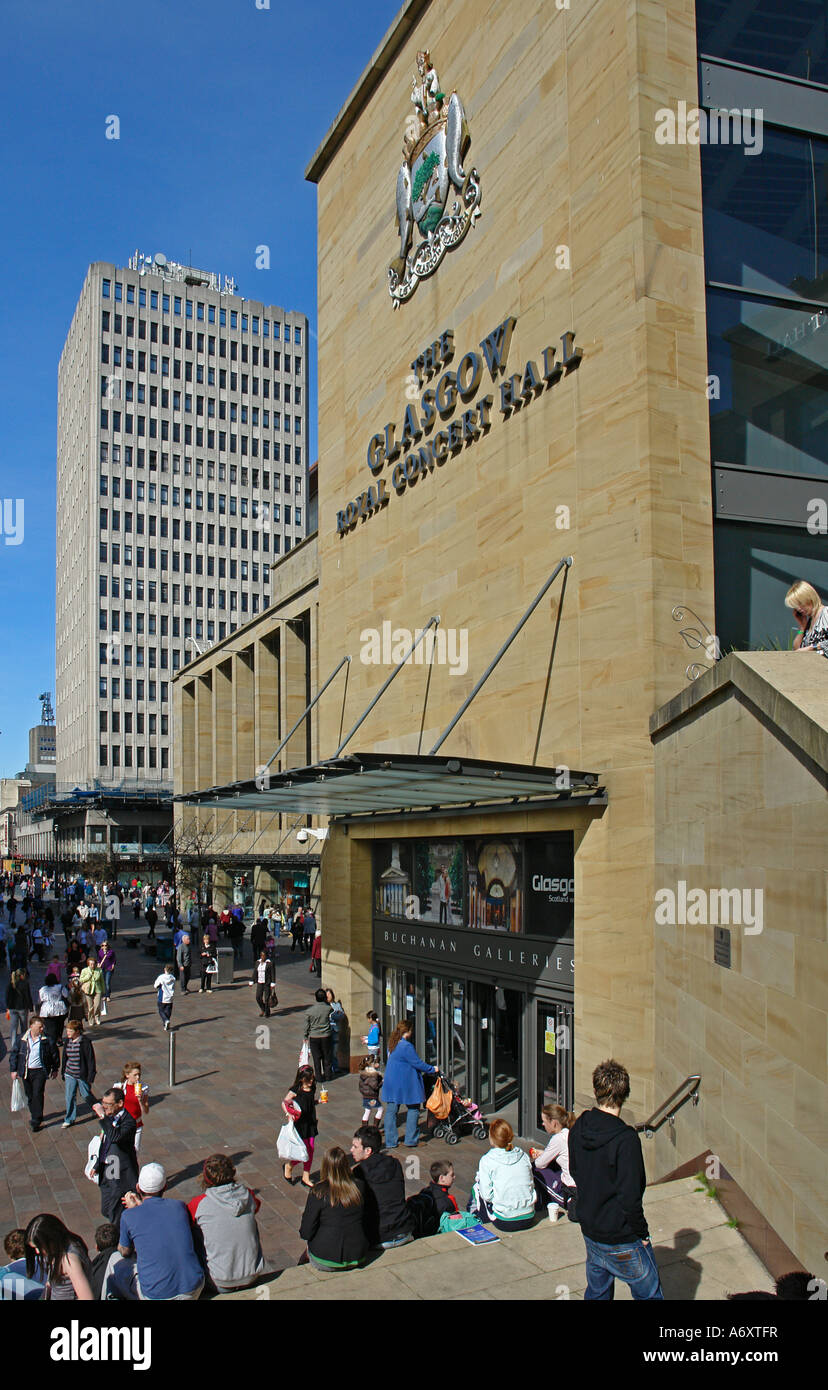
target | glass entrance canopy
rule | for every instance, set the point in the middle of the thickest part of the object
(371, 783)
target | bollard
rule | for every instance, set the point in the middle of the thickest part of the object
(172, 1057)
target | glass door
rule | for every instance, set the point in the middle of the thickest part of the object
(555, 1081)
(505, 1053)
(436, 1021)
(392, 1000)
(499, 1019)
(457, 1039)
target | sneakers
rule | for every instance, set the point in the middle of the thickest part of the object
(166, 1025)
(67, 1124)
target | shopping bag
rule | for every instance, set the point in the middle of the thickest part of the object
(91, 1169)
(289, 1146)
(304, 1054)
(439, 1102)
(18, 1095)
(103, 1008)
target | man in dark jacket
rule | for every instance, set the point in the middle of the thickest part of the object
(607, 1164)
(35, 1059)
(117, 1166)
(77, 1069)
(184, 961)
(388, 1221)
(237, 933)
(258, 936)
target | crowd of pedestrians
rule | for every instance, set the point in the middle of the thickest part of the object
(151, 1246)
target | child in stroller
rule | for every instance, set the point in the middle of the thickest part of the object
(463, 1112)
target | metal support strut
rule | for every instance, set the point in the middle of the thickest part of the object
(432, 622)
(308, 709)
(566, 562)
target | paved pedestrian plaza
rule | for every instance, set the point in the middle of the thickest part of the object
(232, 1069)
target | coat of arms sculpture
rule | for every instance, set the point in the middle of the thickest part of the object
(432, 175)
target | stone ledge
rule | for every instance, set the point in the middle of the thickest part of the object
(701, 1257)
(791, 691)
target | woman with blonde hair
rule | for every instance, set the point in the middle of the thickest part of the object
(811, 616)
(551, 1165)
(332, 1223)
(505, 1182)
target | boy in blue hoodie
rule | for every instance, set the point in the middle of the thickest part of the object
(607, 1164)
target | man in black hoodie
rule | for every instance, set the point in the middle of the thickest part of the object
(607, 1164)
(388, 1221)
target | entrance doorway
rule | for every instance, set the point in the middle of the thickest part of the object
(508, 1049)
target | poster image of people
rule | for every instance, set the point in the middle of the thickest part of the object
(494, 873)
(438, 881)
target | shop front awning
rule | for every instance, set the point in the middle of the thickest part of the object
(370, 784)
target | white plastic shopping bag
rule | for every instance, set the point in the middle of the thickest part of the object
(304, 1054)
(289, 1146)
(90, 1171)
(18, 1095)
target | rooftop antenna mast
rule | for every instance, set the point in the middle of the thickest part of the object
(47, 713)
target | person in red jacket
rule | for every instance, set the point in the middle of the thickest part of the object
(136, 1098)
(316, 953)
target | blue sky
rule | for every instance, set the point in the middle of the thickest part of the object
(221, 106)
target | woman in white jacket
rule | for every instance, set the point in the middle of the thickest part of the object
(505, 1182)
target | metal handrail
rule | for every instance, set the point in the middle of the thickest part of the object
(649, 1127)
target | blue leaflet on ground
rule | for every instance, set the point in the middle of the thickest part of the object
(478, 1235)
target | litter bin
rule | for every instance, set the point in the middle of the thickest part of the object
(224, 956)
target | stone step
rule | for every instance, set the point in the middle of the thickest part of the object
(699, 1255)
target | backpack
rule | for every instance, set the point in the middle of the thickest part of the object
(423, 1209)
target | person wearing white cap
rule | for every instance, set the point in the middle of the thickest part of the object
(158, 1231)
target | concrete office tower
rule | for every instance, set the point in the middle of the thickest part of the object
(42, 744)
(181, 475)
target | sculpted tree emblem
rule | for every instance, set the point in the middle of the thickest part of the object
(431, 175)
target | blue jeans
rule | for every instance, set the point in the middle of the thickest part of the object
(19, 1023)
(108, 983)
(633, 1263)
(72, 1084)
(412, 1117)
